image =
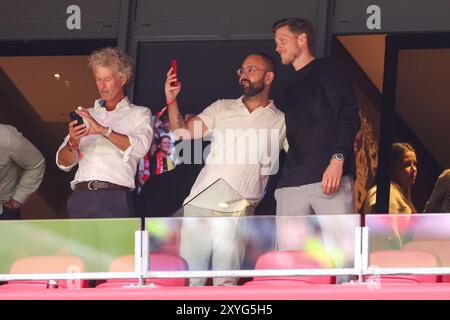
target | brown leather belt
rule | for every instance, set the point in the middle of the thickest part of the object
(99, 185)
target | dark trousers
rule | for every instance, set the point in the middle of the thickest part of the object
(85, 203)
(10, 215)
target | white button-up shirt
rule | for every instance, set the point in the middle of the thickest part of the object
(244, 147)
(100, 159)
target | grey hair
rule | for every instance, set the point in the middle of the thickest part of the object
(113, 58)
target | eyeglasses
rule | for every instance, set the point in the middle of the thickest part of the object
(248, 70)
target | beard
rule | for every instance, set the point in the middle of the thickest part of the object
(290, 57)
(252, 89)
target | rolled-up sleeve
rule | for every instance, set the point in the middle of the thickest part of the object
(60, 166)
(141, 136)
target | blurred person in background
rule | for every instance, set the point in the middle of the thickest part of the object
(22, 168)
(403, 173)
(161, 161)
(403, 176)
(440, 197)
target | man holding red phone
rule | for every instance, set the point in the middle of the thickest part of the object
(252, 113)
(108, 145)
(174, 67)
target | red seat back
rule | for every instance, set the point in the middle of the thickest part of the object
(292, 259)
(440, 248)
(46, 264)
(404, 259)
(158, 262)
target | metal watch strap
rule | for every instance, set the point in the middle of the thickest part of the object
(108, 132)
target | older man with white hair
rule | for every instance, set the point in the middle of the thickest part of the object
(114, 135)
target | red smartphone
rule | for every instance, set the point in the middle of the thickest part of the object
(174, 67)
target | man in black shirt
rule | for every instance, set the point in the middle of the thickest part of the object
(322, 121)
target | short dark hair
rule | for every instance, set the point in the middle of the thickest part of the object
(297, 26)
(268, 60)
(160, 139)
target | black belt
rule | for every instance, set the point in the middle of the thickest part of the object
(99, 185)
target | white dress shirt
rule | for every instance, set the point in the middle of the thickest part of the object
(100, 158)
(246, 164)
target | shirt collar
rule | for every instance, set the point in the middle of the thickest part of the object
(123, 104)
(270, 107)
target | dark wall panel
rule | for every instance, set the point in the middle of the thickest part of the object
(224, 19)
(349, 16)
(46, 19)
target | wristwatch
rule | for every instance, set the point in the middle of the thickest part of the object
(338, 156)
(108, 132)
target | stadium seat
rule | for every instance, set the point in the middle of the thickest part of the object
(46, 264)
(288, 260)
(440, 248)
(403, 259)
(158, 262)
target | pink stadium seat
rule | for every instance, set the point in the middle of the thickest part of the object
(158, 262)
(172, 245)
(440, 248)
(403, 259)
(288, 260)
(46, 264)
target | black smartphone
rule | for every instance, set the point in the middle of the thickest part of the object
(74, 116)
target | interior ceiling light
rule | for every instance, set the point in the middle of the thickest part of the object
(57, 76)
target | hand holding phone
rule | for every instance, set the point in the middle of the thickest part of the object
(74, 116)
(174, 66)
(172, 86)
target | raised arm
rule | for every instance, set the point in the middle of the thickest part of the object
(192, 129)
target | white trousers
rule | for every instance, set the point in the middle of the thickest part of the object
(206, 238)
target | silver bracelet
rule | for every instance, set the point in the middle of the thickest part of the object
(108, 133)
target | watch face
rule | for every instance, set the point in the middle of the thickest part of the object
(339, 156)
